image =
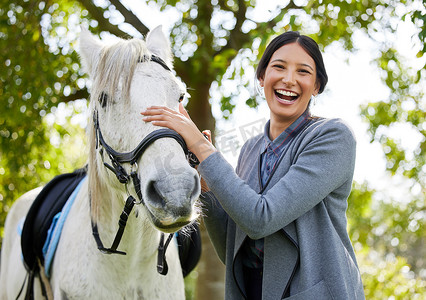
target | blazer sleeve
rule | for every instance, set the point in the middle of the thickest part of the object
(325, 161)
(216, 219)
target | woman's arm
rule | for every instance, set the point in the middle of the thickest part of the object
(325, 164)
(216, 219)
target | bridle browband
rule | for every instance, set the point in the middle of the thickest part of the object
(117, 159)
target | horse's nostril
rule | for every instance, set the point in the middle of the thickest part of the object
(197, 188)
(154, 196)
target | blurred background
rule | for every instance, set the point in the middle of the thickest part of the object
(374, 52)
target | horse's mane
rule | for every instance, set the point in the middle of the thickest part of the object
(114, 70)
(112, 74)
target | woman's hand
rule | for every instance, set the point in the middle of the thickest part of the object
(182, 124)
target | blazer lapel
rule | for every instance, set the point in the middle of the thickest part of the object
(281, 260)
(254, 183)
(290, 232)
(240, 236)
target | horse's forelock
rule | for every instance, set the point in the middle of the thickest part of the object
(117, 62)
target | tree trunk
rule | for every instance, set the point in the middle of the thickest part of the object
(211, 272)
(199, 107)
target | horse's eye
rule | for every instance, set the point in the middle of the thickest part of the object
(182, 96)
(103, 98)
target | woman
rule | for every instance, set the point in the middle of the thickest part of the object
(278, 222)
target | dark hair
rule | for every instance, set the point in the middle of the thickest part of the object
(308, 44)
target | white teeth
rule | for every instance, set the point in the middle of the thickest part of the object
(286, 101)
(286, 93)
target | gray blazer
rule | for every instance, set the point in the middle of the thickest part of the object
(300, 213)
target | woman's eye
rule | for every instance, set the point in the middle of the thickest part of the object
(278, 66)
(304, 71)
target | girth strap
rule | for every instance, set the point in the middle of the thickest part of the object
(30, 289)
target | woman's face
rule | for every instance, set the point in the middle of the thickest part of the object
(289, 82)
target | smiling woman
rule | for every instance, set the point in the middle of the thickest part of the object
(278, 222)
(289, 81)
(288, 74)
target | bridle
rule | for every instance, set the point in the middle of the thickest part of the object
(117, 159)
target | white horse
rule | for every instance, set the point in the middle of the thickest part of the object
(127, 77)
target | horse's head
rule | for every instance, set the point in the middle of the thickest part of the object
(127, 77)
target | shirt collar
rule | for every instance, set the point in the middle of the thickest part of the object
(294, 127)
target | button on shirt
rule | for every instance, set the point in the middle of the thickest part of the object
(269, 157)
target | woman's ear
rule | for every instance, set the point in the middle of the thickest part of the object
(261, 82)
(317, 88)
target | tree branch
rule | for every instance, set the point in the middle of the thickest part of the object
(271, 23)
(130, 17)
(104, 24)
(236, 37)
(223, 5)
(78, 94)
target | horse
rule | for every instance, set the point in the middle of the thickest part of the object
(127, 159)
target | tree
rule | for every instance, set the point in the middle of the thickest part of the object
(397, 225)
(213, 41)
(36, 77)
(388, 236)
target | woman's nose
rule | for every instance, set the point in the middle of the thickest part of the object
(289, 78)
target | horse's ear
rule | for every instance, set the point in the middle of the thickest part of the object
(90, 49)
(159, 44)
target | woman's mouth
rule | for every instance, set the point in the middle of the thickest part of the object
(286, 97)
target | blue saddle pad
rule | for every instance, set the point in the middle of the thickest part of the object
(47, 204)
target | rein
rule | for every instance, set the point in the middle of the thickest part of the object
(117, 159)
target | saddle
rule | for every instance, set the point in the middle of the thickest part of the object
(51, 200)
(47, 204)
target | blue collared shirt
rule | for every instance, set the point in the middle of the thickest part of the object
(272, 150)
(269, 156)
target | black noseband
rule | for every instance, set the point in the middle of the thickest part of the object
(132, 156)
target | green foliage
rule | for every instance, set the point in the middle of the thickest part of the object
(389, 240)
(359, 212)
(38, 69)
(406, 105)
(389, 277)
(394, 228)
(389, 226)
(62, 150)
